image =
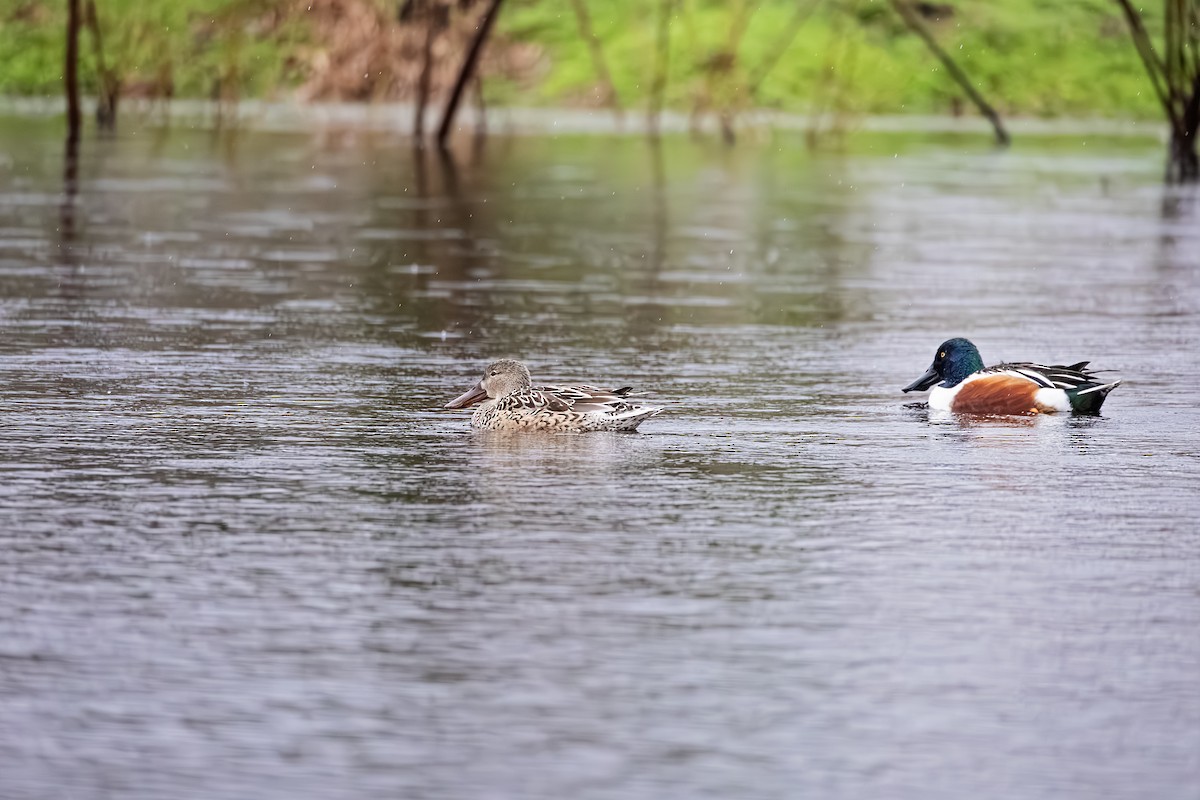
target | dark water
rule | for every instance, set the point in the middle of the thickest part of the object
(244, 555)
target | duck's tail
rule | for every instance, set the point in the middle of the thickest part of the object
(1087, 398)
(629, 420)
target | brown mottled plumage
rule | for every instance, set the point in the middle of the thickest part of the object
(511, 403)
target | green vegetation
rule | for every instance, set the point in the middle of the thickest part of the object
(1028, 57)
(198, 47)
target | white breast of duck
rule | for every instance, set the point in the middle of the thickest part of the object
(1035, 396)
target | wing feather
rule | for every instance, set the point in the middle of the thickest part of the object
(1052, 376)
(583, 397)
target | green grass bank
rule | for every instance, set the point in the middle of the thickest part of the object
(1028, 57)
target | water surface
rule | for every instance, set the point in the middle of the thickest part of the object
(243, 554)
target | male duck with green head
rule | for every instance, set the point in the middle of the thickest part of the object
(960, 382)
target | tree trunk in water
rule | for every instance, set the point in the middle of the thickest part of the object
(468, 69)
(71, 157)
(424, 15)
(1183, 163)
(71, 77)
(1175, 77)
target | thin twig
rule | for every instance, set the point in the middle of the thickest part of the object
(662, 61)
(801, 15)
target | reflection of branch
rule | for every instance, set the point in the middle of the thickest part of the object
(66, 209)
(597, 53)
(662, 57)
(659, 218)
(450, 184)
(918, 27)
(480, 113)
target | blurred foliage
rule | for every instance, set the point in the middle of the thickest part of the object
(1027, 56)
(248, 45)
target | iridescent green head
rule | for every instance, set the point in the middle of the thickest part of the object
(954, 361)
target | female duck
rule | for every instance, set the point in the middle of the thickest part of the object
(510, 403)
(964, 385)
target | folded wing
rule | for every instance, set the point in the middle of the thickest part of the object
(1051, 376)
(584, 398)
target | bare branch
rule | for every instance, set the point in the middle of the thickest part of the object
(426, 15)
(662, 61)
(1154, 65)
(799, 17)
(110, 84)
(599, 64)
(918, 27)
(741, 21)
(468, 68)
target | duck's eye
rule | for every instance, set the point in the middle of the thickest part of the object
(494, 373)
(942, 354)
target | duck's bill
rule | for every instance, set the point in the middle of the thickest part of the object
(468, 398)
(924, 382)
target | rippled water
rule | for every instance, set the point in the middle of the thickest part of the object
(243, 554)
